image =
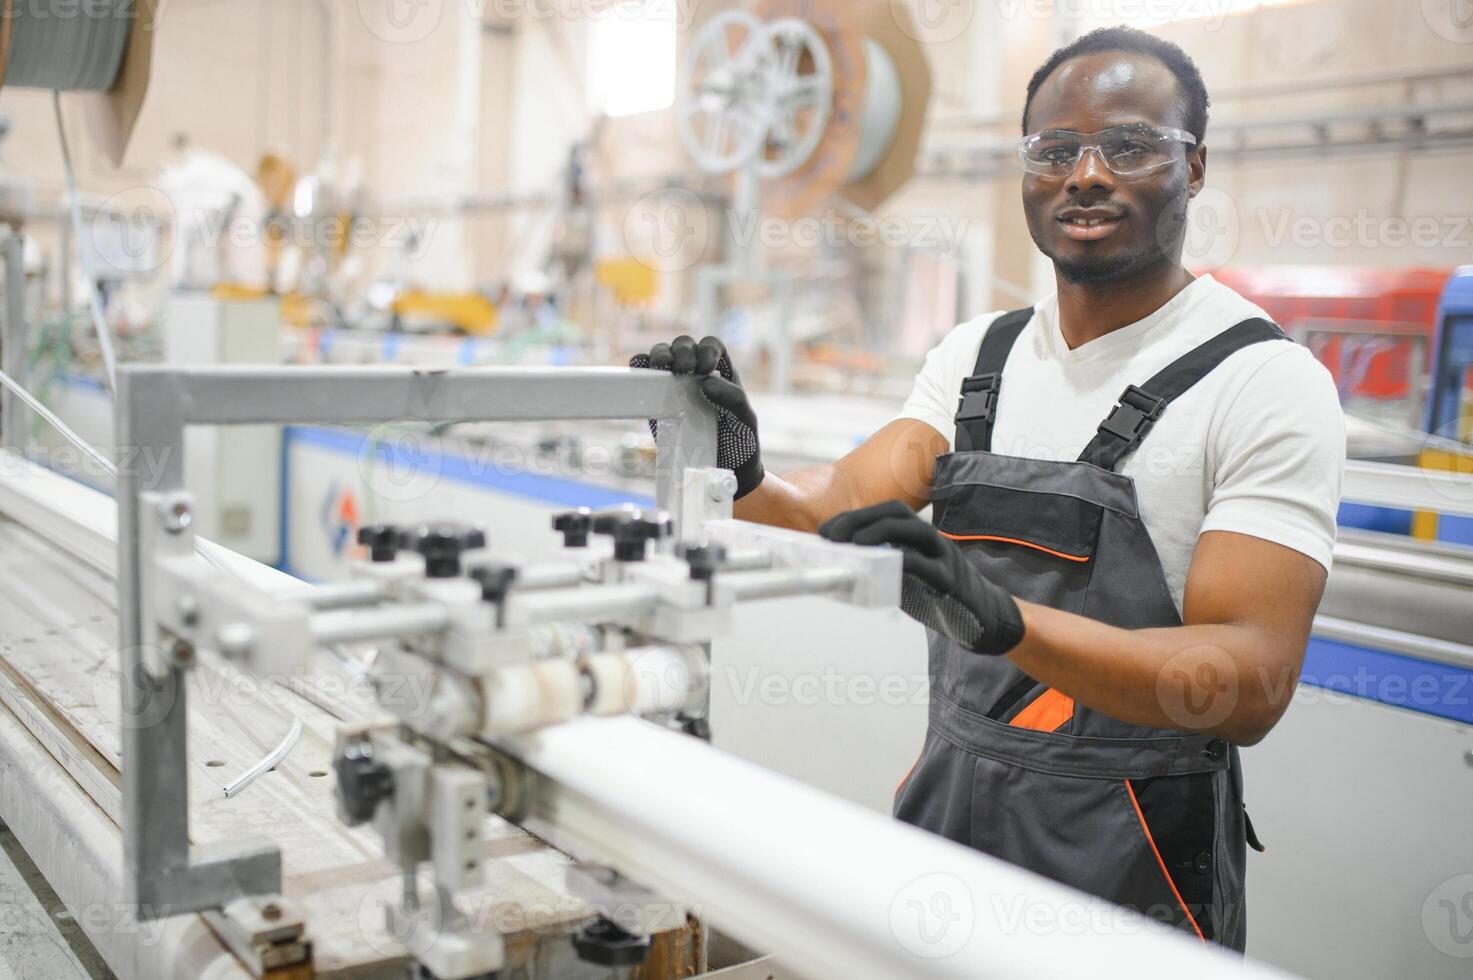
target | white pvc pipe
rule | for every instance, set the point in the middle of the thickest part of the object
(833, 889)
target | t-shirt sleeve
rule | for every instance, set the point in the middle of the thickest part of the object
(933, 399)
(1279, 457)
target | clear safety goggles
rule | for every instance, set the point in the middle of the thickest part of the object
(1128, 151)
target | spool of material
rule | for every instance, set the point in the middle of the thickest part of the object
(105, 60)
(82, 52)
(882, 86)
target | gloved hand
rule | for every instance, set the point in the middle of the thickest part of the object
(940, 588)
(737, 448)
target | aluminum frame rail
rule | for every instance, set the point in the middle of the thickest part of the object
(154, 406)
(1408, 487)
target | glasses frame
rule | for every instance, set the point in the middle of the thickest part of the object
(1091, 141)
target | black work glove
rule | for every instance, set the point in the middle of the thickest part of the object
(736, 424)
(940, 588)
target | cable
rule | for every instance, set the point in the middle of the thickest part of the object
(91, 451)
(99, 323)
(60, 426)
(266, 764)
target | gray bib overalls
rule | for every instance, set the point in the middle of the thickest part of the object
(1148, 818)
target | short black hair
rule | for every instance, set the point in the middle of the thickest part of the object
(1193, 92)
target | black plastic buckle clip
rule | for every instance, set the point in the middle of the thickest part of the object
(979, 398)
(1133, 415)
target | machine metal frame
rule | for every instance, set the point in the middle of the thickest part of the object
(162, 872)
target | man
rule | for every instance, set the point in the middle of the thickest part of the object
(1112, 606)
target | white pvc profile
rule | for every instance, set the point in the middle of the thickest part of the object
(830, 887)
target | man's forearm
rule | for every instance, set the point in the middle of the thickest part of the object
(801, 500)
(1227, 680)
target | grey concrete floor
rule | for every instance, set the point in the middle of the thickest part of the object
(39, 939)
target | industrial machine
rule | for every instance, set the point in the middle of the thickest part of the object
(496, 695)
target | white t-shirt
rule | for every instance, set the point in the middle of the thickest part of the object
(1256, 447)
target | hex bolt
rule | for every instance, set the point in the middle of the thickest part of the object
(271, 911)
(177, 515)
(182, 653)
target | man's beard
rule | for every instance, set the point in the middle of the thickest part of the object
(1161, 250)
(1107, 268)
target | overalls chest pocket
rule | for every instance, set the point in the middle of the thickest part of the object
(1035, 539)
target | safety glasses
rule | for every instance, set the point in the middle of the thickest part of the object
(1129, 151)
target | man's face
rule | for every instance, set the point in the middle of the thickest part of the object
(1144, 217)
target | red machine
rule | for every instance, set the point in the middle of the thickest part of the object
(1371, 327)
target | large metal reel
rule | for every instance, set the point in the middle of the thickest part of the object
(800, 94)
(722, 115)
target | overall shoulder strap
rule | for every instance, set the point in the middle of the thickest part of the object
(1139, 407)
(978, 404)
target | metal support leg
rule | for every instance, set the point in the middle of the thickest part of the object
(15, 342)
(164, 876)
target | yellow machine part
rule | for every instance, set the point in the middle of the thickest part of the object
(226, 292)
(470, 313)
(632, 281)
(1424, 522)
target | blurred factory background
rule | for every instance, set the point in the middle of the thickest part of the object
(516, 182)
(565, 182)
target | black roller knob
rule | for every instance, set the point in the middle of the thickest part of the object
(574, 526)
(603, 943)
(382, 541)
(495, 580)
(632, 530)
(363, 783)
(703, 559)
(442, 545)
